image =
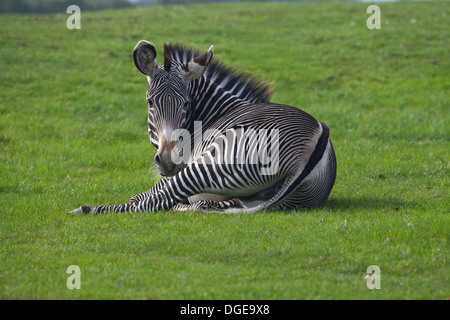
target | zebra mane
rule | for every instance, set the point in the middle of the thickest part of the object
(244, 85)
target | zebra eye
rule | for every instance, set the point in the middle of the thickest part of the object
(150, 102)
(186, 105)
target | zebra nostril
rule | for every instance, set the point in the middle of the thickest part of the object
(157, 159)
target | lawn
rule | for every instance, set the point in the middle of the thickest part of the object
(73, 131)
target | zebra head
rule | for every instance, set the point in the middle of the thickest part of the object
(168, 98)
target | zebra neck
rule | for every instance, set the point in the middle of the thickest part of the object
(211, 102)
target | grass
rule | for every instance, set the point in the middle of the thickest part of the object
(73, 132)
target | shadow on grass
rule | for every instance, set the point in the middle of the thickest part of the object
(368, 203)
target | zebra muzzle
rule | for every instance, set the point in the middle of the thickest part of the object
(163, 158)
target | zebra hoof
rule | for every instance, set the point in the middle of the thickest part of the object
(80, 210)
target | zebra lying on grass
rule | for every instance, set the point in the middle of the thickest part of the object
(221, 145)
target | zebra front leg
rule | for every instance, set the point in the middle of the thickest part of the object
(192, 180)
(163, 199)
(157, 187)
(127, 207)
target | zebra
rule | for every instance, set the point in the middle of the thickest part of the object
(193, 87)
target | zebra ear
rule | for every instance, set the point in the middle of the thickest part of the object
(144, 56)
(195, 68)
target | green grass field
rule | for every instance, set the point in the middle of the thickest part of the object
(73, 131)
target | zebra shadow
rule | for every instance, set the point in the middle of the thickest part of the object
(367, 203)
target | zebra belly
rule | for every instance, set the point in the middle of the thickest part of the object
(207, 196)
